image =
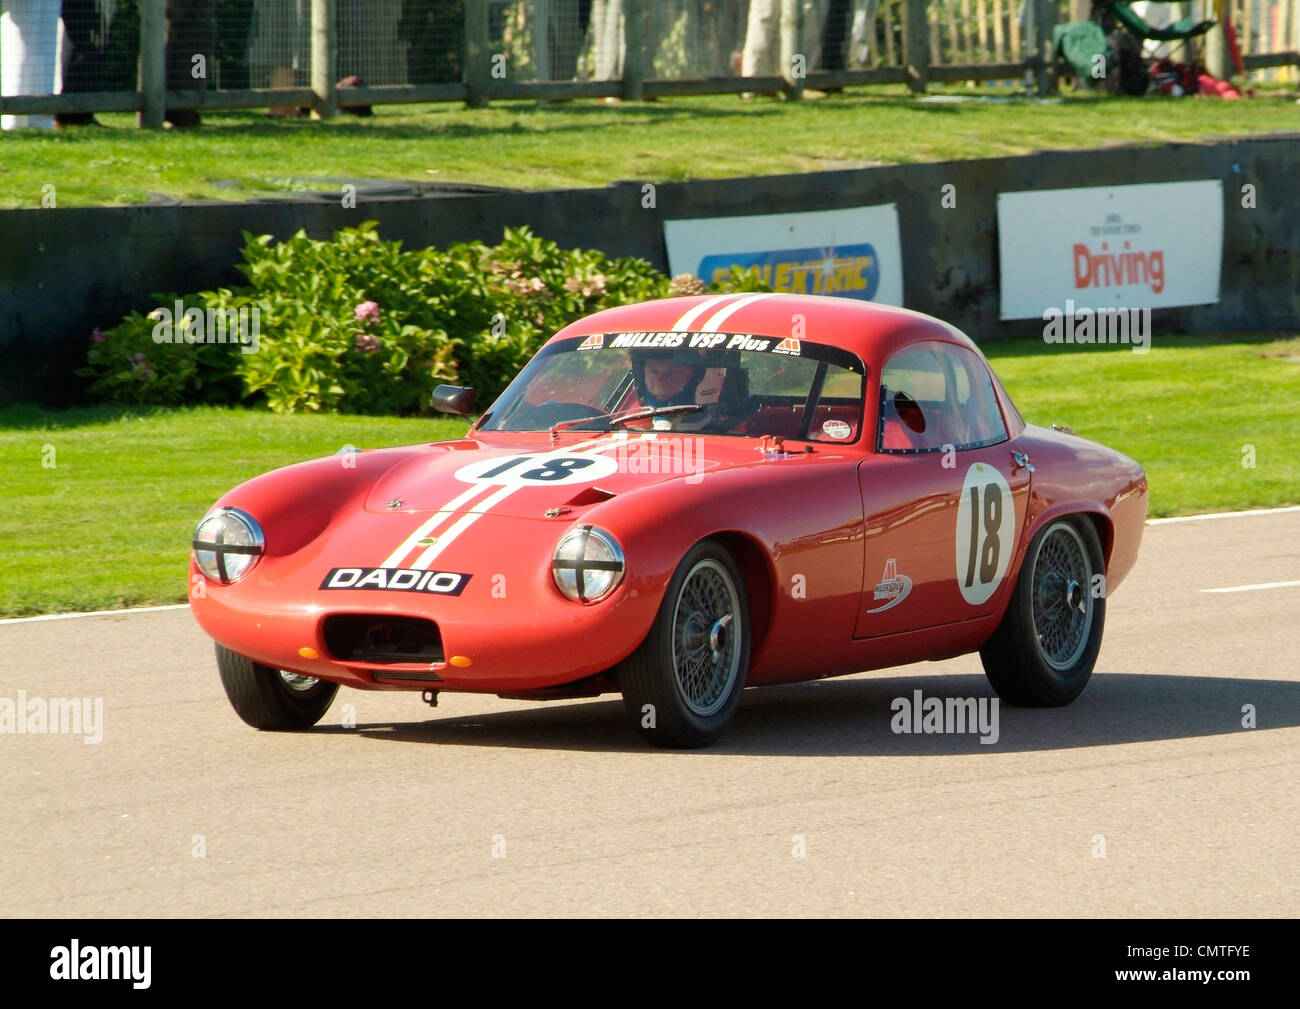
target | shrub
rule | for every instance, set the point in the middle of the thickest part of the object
(359, 325)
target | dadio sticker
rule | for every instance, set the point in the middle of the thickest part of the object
(836, 429)
(986, 518)
(534, 469)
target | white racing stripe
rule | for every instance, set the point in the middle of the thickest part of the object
(448, 511)
(464, 522)
(1253, 588)
(684, 323)
(722, 316)
(394, 560)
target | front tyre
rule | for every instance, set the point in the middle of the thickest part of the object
(1043, 652)
(684, 682)
(267, 698)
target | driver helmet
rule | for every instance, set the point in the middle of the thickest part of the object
(667, 377)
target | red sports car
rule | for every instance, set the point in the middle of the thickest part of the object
(677, 500)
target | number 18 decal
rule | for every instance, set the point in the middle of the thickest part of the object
(986, 519)
(538, 469)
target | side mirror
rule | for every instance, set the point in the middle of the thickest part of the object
(457, 399)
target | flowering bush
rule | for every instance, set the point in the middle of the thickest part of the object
(359, 325)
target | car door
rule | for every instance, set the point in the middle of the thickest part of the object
(944, 496)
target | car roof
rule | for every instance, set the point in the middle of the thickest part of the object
(867, 329)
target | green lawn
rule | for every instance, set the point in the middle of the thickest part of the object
(1185, 411)
(238, 155)
(108, 524)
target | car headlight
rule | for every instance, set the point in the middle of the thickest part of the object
(227, 543)
(588, 564)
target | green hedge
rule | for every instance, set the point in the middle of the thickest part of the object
(358, 324)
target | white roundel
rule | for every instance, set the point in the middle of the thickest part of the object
(538, 470)
(986, 521)
(836, 428)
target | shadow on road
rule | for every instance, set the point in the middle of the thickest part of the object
(853, 718)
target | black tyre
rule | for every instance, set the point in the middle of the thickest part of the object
(1043, 652)
(267, 698)
(683, 684)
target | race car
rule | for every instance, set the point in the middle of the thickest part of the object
(676, 500)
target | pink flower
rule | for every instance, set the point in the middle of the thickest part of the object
(367, 313)
(366, 343)
(141, 366)
(97, 336)
(686, 283)
(531, 286)
(592, 286)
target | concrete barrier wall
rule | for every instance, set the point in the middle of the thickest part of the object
(63, 272)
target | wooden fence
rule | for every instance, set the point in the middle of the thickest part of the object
(955, 40)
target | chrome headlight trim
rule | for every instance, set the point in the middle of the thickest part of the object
(588, 564)
(220, 557)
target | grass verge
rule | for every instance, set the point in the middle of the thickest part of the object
(527, 145)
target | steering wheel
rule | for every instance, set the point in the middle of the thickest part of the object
(544, 415)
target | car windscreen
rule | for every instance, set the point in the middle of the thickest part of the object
(739, 384)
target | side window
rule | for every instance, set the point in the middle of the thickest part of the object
(979, 412)
(936, 397)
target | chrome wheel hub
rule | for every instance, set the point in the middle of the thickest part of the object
(297, 682)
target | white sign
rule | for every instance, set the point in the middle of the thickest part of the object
(853, 253)
(1147, 246)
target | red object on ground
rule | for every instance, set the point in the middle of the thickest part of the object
(1215, 88)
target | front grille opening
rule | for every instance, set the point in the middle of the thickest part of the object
(360, 637)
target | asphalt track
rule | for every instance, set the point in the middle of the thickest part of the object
(403, 814)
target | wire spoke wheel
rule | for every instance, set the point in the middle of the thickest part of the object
(683, 684)
(706, 623)
(1062, 597)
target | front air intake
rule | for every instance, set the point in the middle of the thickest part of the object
(360, 637)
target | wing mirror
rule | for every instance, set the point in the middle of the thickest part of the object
(457, 399)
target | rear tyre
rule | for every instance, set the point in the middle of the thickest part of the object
(1043, 652)
(683, 684)
(267, 698)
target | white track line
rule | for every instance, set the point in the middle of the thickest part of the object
(1224, 515)
(1252, 588)
(94, 613)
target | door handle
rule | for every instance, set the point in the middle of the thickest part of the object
(1021, 460)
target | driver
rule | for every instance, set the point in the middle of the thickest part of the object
(676, 378)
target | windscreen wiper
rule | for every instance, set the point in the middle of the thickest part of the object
(619, 418)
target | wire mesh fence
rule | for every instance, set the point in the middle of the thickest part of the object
(93, 47)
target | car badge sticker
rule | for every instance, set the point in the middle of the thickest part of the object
(837, 429)
(788, 346)
(443, 583)
(592, 342)
(893, 588)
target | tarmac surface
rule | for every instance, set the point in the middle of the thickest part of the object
(1146, 797)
